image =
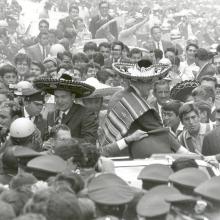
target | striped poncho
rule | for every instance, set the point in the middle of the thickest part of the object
(120, 117)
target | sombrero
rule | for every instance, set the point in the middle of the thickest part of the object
(181, 90)
(49, 85)
(101, 90)
(142, 71)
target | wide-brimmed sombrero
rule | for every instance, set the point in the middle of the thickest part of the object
(183, 89)
(101, 90)
(49, 85)
(142, 71)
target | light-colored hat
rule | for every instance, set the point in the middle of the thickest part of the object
(101, 89)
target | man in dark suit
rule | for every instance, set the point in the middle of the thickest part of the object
(82, 122)
(101, 19)
(160, 44)
(67, 24)
(38, 52)
(33, 106)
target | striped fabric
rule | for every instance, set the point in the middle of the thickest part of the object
(119, 119)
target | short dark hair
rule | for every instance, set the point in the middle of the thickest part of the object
(173, 105)
(103, 2)
(20, 57)
(114, 43)
(7, 68)
(103, 75)
(44, 21)
(191, 45)
(154, 27)
(205, 92)
(187, 108)
(202, 54)
(90, 46)
(65, 53)
(104, 44)
(218, 48)
(134, 51)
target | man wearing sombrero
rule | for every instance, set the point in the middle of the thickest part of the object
(81, 121)
(130, 112)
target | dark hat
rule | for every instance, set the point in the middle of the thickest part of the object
(142, 71)
(45, 166)
(183, 89)
(156, 174)
(49, 85)
(209, 189)
(188, 178)
(153, 203)
(109, 189)
(31, 94)
(25, 154)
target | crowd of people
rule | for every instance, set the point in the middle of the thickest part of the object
(98, 80)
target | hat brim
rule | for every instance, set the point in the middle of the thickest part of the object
(98, 93)
(50, 85)
(181, 90)
(159, 71)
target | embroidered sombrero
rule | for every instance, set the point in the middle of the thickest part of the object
(183, 89)
(49, 85)
(142, 71)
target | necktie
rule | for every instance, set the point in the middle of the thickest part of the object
(158, 45)
(44, 52)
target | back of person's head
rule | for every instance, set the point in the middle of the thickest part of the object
(204, 93)
(6, 211)
(187, 108)
(67, 148)
(63, 206)
(16, 198)
(202, 54)
(88, 208)
(103, 75)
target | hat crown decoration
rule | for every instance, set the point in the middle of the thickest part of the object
(141, 72)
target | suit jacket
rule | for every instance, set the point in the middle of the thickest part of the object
(35, 52)
(82, 122)
(211, 143)
(96, 23)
